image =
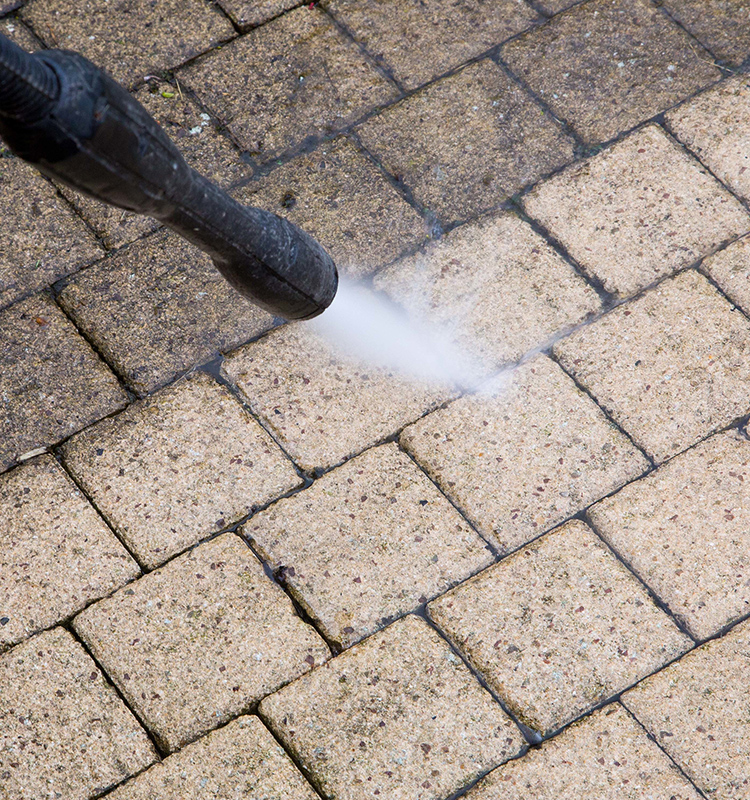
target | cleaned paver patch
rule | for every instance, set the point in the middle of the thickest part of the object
(399, 715)
(56, 554)
(293, 78)
(730, 268)
(466, 143)
(607, 756)
(367, 542)
(52, 383)
(696, 710)
(558, 627)
(419, 41)
(196, 642)
(606, 65)
(524, 458)
(684, 530)
(720, 25)
(178, 467)
(671, 367)
(639, 210)
(319, 401)
(65, 731)
(158, 308)
(496, 288)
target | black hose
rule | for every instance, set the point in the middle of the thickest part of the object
(28, 87)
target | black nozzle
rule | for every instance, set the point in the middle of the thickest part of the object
(28, 87)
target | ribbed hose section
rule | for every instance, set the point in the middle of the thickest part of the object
(28, 87)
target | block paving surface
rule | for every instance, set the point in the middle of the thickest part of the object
(240, 559)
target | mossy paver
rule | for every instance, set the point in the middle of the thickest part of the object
(398, 714)
(198, 641)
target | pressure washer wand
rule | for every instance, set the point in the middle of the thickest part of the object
(75, 124)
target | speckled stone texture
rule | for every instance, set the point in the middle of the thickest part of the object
(370, 541)
(293, 78)
(132, 38)
(671, 367)
(730, 269)
(318, 400)
(399, 714)
(251, 13)
(56, 554)
(716, 127)
(52, 383)
(606, 65)
(558, 627)
(696, 710)
(720, 25)
(241, 759)
(684, 530)
(65, 732)
(41, 239)
(496, 286)
(196, 642)
(464, 144)
(526, 456)
(337, 195)
(14, 29)
(638, 211)
(178, 467)
(607, 756)
(158, 308)
(418, 41)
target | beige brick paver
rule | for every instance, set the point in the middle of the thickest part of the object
(64, 732)
(464, 144)
(158, 308)
(496, 286)
(56, 554)
(558, 627)
(398, 714)
(671, 367)
(638, 211)
(696, 710)
(178, 467)
(51, 381)
(606, 65)
(606, 756)
(14, 29)
(251, 13)
(730, 269)
(524, 459)
(369, 541)
(196, 642)
(295, 77)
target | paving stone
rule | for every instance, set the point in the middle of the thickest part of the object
(558, 627)
(670, 367)
(607, 756)
(66, 733)
(338, 196)
(319, 401)
(554, 6)
(683, 529)
(496, 286)
(417, 41)
(178, 467)
(196, 642)
(41, 239)
(241, 759)
(355, 571)
(398, 714)
(158, 308)
(133, 38)
(720, 25)
(525, 457)
(716, 127)
(730, 269)
(251, 13)
(52, 383)
(56, 554)
(697, 711)
(296, 77)
(638, 211)
(465, 143)
(606, 65)
(14, 29)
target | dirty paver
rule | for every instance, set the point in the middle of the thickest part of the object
(193, 644)
(398, 714)
(251, 13)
